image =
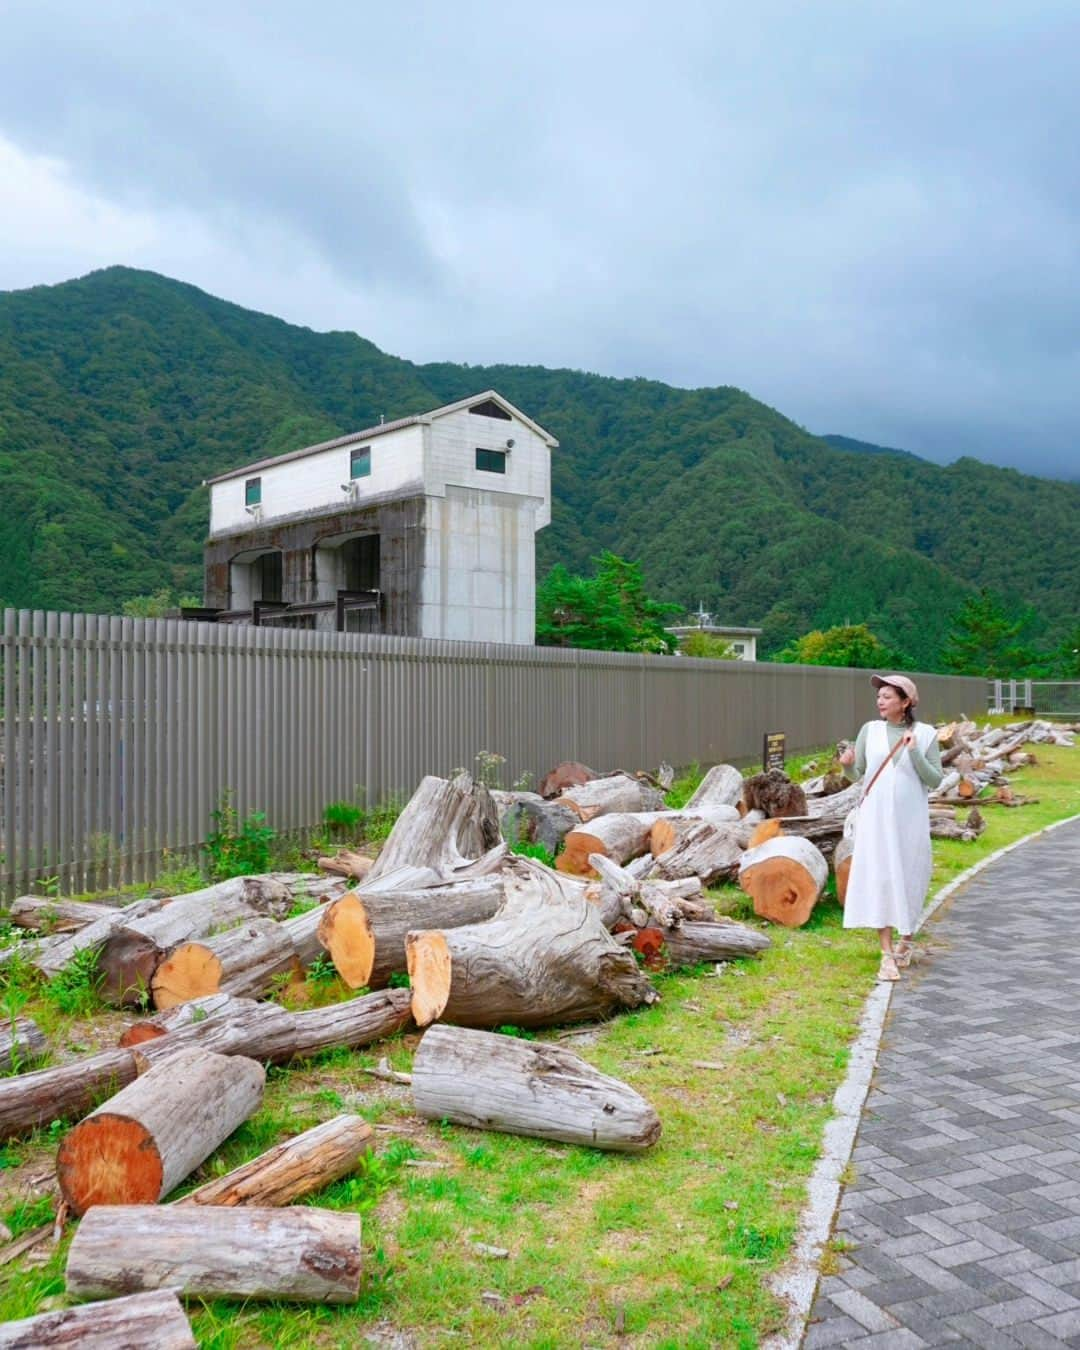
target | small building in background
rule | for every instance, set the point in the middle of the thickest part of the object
(421, 527)
(743, 641)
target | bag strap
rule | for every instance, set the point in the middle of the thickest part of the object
(880, 770)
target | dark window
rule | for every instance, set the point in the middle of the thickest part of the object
(489, 408)
(360, 463)
(268, 577)
(253, 492)
(491, 461)
(361, 558)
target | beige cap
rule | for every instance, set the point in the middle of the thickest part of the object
(898, 682)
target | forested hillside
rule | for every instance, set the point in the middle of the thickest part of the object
(121, 391)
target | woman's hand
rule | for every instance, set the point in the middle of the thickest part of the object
(908, 738)
(847, 757)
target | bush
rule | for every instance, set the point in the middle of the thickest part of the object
(235, 850)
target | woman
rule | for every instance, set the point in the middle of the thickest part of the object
(890, 867)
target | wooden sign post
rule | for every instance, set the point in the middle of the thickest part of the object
(773, 753)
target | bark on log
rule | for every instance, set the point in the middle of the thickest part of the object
(45, 1095)
(568, 774)
(501, 1083)
(670, 826)
(446, 824)
(774, 793)
(55, 915)
(347, 863)
(173, 1019)
(153, 1134)
(303, 932)
(824, 832)
(297, 1167)
(298, 1253)
(711, 852)
(53, 956)
(545, 958)
(692, 944)
(365, 932)
(606, 796)
(352, 1024)
(836, 804)
(262, 1031)
(721, 786)
(244, 962)
(22, 1042)
(785, 878)
(154, 1320)
(619, 836)
(841, 861)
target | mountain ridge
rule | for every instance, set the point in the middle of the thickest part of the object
(121, 391)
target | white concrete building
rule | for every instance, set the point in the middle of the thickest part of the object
(436, 513)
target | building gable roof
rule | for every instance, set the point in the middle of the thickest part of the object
(368, 433)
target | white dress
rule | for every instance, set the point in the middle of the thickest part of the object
(891, 864)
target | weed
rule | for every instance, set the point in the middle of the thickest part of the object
(399, 980)
(537, 851)
(234, 849)
(342, 817)
(177, 877)
(27, 1214)
(322, 970)
(48, 885)
(489, 768)
(76, 991)
(381, 819)
(519, 1033)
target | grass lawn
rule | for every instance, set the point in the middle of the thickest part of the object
(673, 1248)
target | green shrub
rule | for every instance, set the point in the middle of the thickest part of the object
(233, 849)
(343, 817)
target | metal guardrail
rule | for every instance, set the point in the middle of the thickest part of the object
(1049, 698)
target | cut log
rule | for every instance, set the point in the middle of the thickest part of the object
(58, 952)
(262, 1031)
(352, 1024)
(56, 915)
(525, 817)
(785, 878)
(154, 1320)
(299, 1253)
(670, 826)
(545, 958)
(133, 950)
(365, 932)
(347, 863)
(721, 786)
(172, 1019)
(154, 1133)
(692, 944)
(842, 856)
(619, 836)
(824, 832)
(295, 1168)
(836, 804)
(45, 1095)
(502, 1083)
(22, 1043)
(606, 796)
(774, 793)
(445, 825)
(244, 962)
(711, 852)
(621, 897)
(568, 774)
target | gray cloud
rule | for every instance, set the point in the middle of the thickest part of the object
(865, 214)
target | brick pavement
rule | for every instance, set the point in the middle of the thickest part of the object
(964, 1214)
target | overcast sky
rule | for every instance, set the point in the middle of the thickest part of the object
(866, 214)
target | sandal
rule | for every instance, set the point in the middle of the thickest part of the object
(903, 952)
(887, 971)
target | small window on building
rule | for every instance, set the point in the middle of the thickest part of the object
(489, 408)
(491, 461)
(253, 492)
(739, 648)
(360, 463)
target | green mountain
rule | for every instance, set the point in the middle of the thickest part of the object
(121, 391)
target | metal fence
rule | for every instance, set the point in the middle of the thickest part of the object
(1049, 698)
(118, 736)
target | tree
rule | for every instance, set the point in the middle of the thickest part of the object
(984, 640)
(156, 606)
(847, 645)
(708, 645)
(609, 612)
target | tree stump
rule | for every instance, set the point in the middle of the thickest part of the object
(364, 932)
(721, 786)
(502, 1083)
(295, 1168)
(155, 1132)
(785, 878)
(445, 825)
(298, 1253)
(774, 793)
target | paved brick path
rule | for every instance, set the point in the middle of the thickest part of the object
(964, 1215)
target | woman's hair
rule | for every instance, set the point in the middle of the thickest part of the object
(909, 711)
